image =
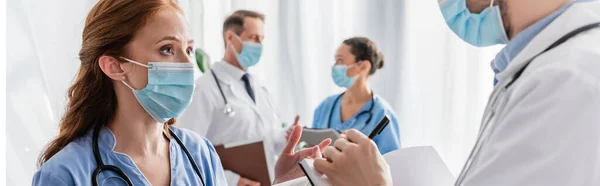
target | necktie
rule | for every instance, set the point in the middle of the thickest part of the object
(246, 79)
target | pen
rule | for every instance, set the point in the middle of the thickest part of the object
(380, 126)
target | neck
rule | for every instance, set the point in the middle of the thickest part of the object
(136, 133)
(359, 92)
(231, 59)
(523, 14)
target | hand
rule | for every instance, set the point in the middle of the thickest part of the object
(354, 160)
(289, 131)
(246, 182)
(287, 167)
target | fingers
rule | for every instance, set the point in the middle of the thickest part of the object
(342, 144)
(357, 137)
(293, 140)
(306, 153)
(296, 119)
(325, 143)
(317, 153)
(287, 135)
(323, 166)
(245, 181)
(331, 154)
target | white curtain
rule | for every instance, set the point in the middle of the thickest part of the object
(437, 84)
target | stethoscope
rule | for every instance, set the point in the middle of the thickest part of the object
(369, 112)
(101, 167)
(228, 111)
(497, 91)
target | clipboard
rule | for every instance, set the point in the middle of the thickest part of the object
(313, 136)
(248, 160)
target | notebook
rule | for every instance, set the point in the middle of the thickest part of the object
(314, 177)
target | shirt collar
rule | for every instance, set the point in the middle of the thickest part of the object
(106, 139)
(231, 70)
(517, 44)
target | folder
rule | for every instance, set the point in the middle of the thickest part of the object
(246, 159)
(313, 137)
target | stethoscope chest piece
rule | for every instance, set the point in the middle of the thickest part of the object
(228, 111)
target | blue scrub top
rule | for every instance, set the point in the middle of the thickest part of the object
(388, 140)
(74, 164)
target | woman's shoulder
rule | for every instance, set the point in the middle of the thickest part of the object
(384, 105)
(199, 147)
(74, 159)
(190, 138)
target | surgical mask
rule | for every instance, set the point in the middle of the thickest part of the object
(340, 77)
(483, 29)
(250, 54)
(169, 90)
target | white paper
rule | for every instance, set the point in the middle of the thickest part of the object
(316, 178)
(418, 166)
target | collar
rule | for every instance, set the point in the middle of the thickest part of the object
(234, 72)
(106, 139)
(576, 15)
(517, 44)
(229, 74)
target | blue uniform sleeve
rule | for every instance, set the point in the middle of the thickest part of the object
(46, 178)
(389, 139)
(218, 175)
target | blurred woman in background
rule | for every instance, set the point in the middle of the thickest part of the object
(358, 107)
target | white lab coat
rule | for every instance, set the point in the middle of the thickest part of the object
(545, 128)
(251, 121)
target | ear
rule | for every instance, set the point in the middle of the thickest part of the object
(229, 37)
(365, 66)
(111, 67)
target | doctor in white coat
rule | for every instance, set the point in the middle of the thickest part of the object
(229, 104)
(542, 122)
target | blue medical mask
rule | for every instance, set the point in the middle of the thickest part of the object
(483, 29)
(340, 78)
(250, 54)
(169, 90)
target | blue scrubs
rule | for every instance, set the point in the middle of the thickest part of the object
(388, 140)
(74, 164)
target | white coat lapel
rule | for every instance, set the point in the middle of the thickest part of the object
(238, 92)
(578, 15)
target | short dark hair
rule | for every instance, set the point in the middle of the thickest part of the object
(235, 22)
(364, 49)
